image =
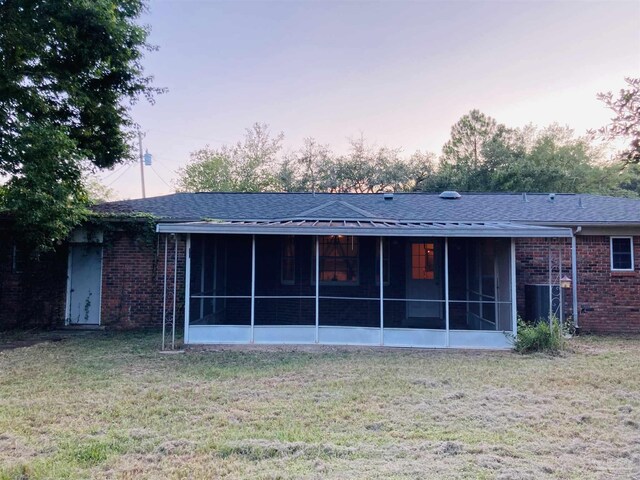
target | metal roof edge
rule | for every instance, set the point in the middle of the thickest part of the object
(520, 231)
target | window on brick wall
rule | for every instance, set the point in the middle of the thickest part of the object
(622, 253)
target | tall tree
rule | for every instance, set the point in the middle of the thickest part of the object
(251, 165)
(462, 156)
(626, 121)
(70, 71)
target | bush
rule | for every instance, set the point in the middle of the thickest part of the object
(542, 336)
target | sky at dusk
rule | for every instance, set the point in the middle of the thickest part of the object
(400, 73)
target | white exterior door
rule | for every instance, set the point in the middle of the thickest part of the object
(84, 284)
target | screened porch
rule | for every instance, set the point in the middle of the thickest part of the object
(327, 289)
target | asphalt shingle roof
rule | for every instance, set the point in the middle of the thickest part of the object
(475, 207)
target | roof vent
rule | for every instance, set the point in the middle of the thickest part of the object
(552, 197)
(450, 195)
(524, 197)
(388, 195)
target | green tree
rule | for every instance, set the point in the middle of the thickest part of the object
(462, 156)
(626, 122)
(251, 165)
(70, 71)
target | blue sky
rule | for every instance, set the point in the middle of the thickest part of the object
(400, 73)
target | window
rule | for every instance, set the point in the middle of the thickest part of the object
(422, 261)
(288, 267)
(338, 259)
(386, 263)
(622, 253)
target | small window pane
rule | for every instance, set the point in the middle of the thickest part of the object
(422, 261)
(338, 259)
(621, 254)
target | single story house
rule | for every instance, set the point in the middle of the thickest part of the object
(403, 269)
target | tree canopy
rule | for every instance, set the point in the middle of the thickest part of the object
(482, 155)
(70, 71)
(626, 121)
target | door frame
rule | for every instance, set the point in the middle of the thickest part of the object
(67, 307)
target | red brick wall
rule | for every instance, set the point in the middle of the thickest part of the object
(532, 267)
(608, 302)
(132, 280)
(35, 295)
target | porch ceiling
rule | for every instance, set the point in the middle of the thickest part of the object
(359, 227)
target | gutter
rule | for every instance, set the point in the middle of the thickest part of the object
(574, 277)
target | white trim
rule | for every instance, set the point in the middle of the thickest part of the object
(442, 229)
(349, 336)
(574, 281)
(175, 292)
(514, 298)
(284, 334)
(67, 308)
(253, 285)
(187, 288)
(100, 286)
(164, 292)
(630, 238)
(304, 334)
(481, 339)
(446, 289)
(415, 337)
(380, 241)
(317, 288)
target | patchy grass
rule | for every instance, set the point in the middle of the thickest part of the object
(110, 406)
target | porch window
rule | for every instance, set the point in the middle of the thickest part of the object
(339, 260)
(422, 261)
(622, 253)
(288, 262)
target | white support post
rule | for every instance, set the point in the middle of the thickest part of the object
(514, 303)
(381, 291)
(574, 280)
(253, 285)
(446, 288)
(164, 292)
(317, 288)
(175, 292)
(550, 284)
(187, 288)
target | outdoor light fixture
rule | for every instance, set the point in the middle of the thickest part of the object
(565, 282)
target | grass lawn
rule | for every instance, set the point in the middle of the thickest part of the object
(111, 406)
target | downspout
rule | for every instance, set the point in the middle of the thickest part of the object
(574, 278)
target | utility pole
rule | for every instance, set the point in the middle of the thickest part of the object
(141, 163)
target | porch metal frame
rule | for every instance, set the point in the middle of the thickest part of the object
(318, 334)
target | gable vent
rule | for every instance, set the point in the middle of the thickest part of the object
(450, 195)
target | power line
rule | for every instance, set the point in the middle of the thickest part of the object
(119, 176)
(118, 169)
(160, 177)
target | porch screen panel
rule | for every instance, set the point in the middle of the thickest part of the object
(349, 292)
(414, 295)
(480, 284)
(284, 293)
(220, 280)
